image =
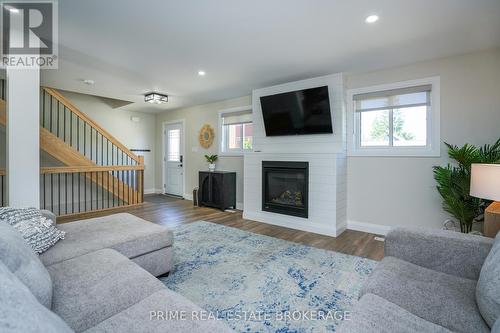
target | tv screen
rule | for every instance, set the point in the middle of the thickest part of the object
(297, 112)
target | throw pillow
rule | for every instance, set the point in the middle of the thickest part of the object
(37, 230)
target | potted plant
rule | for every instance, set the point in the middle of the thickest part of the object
(453, 182)
(211, 162)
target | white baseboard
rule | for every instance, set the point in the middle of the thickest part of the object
(307, 226)
(239, 205)
(151, 191)
(187, 196)
(372, 228)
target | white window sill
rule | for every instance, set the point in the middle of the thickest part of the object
(234, 154)
(395, 152)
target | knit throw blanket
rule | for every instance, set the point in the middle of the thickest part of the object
(37, 230)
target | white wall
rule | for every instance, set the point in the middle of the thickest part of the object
(389, 191)
(138, 135)
(194, 160)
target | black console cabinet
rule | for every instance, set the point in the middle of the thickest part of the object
(217, 189)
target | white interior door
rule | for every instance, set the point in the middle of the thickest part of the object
(174, 166)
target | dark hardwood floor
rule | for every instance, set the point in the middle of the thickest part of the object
(170, 212)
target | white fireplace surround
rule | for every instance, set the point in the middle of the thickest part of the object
(324, 152)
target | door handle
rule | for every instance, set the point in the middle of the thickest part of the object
(180, 165)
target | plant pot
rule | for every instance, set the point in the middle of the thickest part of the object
(211, 167)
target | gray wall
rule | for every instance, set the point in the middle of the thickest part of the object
(384, 191)
(195, 117)
(401, 191)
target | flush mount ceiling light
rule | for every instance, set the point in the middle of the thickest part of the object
(201, 73)
(371, 19)
(155, 98)
(89, 82)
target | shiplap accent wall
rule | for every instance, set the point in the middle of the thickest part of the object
(325, 154)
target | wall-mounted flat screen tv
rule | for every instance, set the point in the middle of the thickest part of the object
(297, 112)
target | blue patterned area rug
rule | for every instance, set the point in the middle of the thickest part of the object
(258, 283)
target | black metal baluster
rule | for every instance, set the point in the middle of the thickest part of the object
(72, 193)
(66, 192)
(123, 188)
(85, 190)
(78, 133)
(113, 175)
(57, 117)
(70, 129)
(84, 139)
(128, 187)
(43, 108)
(79, 192)
(96, 191)
(90, 184)
(102, 189)
(64, 125)
(91, 144)
(59, 193)
(102, 150)
(52, 192)
(50, 118)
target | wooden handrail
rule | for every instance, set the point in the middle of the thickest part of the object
(49, 170)
(97, 168)
(63, 100)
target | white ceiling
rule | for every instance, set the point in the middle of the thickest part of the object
(130, 47)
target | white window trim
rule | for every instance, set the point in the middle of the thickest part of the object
(221, 151)
(433, 148)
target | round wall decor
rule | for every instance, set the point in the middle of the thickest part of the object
(206, 136)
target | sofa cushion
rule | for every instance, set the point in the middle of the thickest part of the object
(93, 287)
(373, 314)
(151, 315)
(38, 231)
(443, 299)
(20, 311)
(126, 233)
(488, 286)
(20, 259)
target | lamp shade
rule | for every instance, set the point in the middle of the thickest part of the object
(485, 181)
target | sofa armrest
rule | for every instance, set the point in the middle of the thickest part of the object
(440, 250)
(49, 215)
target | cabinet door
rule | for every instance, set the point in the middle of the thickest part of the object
(217, 189)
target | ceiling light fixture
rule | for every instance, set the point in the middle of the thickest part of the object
(155, 98)
(201, 73)
(371, 19)
(89, 82)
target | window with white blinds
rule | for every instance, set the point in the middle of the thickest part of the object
(397, 120)
(237, 132)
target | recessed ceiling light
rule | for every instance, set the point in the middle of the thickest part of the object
(372, 19)
(201, 73)
(89, 82)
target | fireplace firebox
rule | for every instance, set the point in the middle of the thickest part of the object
(285, 187)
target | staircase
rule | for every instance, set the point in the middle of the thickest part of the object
(93, 171)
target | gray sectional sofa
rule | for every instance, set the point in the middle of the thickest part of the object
(100, 278)
(431, 281)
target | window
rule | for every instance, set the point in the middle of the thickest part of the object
(401, 120)
(174, 140)
(236, 130)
